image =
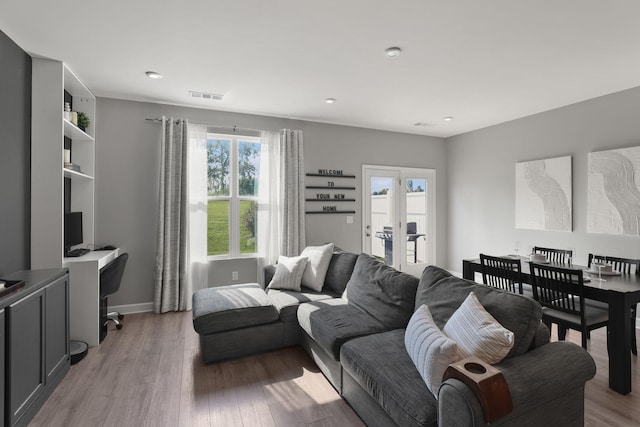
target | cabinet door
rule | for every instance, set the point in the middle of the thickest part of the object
(25, 354)
(2, 376)
(56, 326)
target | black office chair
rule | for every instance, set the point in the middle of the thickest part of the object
(110, 278)
(624, 266)
(554, 255)
(560, 292)
(503, 273)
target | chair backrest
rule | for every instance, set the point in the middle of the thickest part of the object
(111, 275)
(554, 255)
(558, 288)
(623, 265)
(502, 273)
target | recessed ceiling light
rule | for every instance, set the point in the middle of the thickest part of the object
(447, 119)
(153, 75)
(330, 100)
(392, 52)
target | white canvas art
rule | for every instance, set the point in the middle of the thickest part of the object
(543, 194)
(614, 192)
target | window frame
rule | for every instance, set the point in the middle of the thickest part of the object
(234, 197)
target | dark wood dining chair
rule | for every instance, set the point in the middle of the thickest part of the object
(560, 292)
(624, 266)
(502, 273)
(561, 256)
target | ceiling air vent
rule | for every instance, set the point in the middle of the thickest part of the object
(204, 95)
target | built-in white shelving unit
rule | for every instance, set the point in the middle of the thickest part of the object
(51, 79)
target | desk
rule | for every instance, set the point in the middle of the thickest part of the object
(621, 293)
(84, 294)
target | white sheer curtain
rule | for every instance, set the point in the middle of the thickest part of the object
(181, 242)
(281, 226)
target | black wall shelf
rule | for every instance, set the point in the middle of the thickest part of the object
(314, 187)
(329, 200)
(330, 212)
(331, 176)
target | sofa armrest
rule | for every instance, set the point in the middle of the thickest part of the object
(538, 379)
(269, 271)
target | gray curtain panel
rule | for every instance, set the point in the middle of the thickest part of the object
(171, 289)
(292, 238)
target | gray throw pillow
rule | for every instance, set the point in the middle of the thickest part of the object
(383, 292)
(340, 270)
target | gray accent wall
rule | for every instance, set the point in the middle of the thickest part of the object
(128, 155)
(15, 156)
(481, 178)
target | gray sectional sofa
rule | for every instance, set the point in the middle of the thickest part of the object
(354, 331)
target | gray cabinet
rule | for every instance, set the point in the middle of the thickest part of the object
(2, 375)
(56, 301)
(35, 342)
(25, 354)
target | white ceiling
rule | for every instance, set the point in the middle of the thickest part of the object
(481, 61)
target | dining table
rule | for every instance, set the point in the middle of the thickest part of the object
(621, 292)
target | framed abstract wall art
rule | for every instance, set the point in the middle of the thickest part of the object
(543, 194)
(613, 203)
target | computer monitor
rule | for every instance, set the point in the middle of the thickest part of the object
(72, 230)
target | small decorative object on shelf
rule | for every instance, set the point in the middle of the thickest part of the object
(67, 156)
(74, 118)
(67, 111)
(83, 121)
(73, 167)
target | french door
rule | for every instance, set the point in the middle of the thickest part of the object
(399, 216)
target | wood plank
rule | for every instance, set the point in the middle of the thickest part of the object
(150, 373)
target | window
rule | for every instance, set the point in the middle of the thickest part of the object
(233, 169)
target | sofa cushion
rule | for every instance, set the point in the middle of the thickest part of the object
(381, 365)
(383, 292)
(287, 302)
(444, 293)
(288, 273)
(477, 333)
(314, 273)
(331, 326)
(231, 307)
(429, 348)
(339, 271)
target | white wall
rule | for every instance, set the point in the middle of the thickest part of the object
(481, 175)
(127, 159)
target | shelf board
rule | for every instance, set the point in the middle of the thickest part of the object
(330, 176)
(329, 201)
(314, 187)
(75, 133)
(68, 173)
(330, 212)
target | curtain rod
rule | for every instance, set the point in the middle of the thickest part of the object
(233, 127)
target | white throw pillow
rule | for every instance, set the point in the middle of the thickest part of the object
(430, 350)
(288, 273)
(316, 269)
(478, 333)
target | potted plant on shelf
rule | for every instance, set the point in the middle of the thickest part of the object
(83, 121)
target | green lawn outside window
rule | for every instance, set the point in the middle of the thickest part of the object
(218, 228)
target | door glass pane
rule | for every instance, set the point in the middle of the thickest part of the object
(248, 168)
(416, 207)
(218, 227)
(248, 220)
(381, 218)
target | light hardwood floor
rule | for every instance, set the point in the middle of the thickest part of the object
(150, 374)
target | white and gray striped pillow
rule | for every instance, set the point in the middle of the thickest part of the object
(288, 274)
(478, 333)
(430, 350)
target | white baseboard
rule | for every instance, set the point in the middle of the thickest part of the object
(144, 307)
